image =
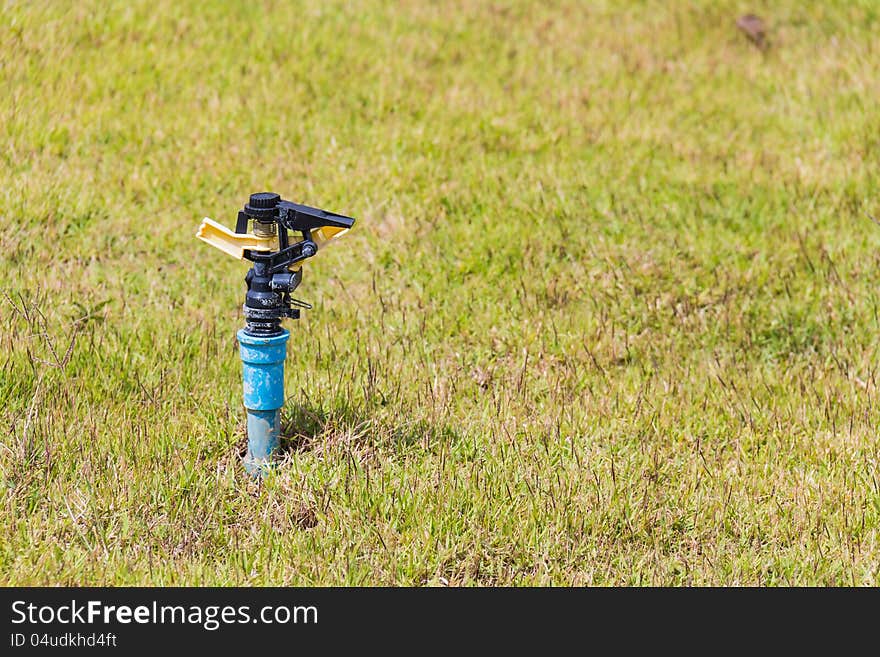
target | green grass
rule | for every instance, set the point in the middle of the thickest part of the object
(609, 314)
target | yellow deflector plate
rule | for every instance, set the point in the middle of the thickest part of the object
(234, 244)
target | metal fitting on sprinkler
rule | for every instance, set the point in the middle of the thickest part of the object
(276, 272)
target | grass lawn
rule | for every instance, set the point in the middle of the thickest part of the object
(609, 314)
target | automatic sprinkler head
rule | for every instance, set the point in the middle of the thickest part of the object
(276, 271)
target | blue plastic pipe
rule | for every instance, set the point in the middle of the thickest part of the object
(262, 359)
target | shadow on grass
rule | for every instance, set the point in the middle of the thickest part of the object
(306, 427)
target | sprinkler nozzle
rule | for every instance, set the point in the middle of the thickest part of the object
(269, 246)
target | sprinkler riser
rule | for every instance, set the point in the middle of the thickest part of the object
(262, 358)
